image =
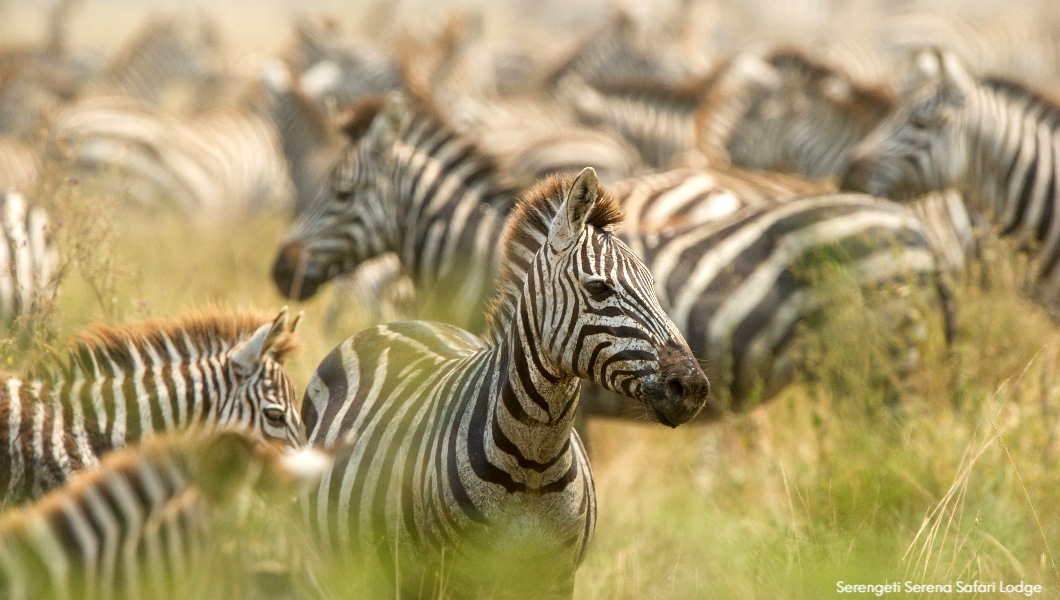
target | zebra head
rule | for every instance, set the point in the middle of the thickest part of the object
(263, 398)
(357, 219)
(921, 145)
(591, 302)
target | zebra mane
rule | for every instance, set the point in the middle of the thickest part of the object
(685, 95)
(792, 59)
(211, 332)
(525, 232)
(1020, 92)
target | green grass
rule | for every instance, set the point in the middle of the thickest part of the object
(808, 490)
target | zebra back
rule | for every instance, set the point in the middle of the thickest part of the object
(152, 521)
(224, 160)
(120, 385)
(746, 288)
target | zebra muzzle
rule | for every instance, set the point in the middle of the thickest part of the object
(682, 390)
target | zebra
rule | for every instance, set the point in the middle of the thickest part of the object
(166, 51)
(226, 159)
(656, 117)
(400, 191)
(456, 454)
(150, 522)
(120, 385)
(28, 258)
(992, 138)
(804, 118)
(437, 200)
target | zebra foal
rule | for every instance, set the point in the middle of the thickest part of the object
(457, 455)
(120, 385)
(147, 523)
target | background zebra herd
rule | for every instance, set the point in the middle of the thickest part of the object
(517, 236)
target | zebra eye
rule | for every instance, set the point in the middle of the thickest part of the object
(597, 287)
(274, 415)
(343, 195)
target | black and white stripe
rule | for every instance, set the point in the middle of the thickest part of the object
(165, 52)
(378, 212)
(460, 466)
(151, 522)
(409, 184)
(121, 385)
(227, 159)
(995, 140)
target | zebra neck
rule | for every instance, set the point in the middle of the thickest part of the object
(1015, 156)
(443, 187)
(116, 404)
(533, 411)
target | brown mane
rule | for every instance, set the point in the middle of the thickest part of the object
(525, 232)
(359, 119)
(211, 331)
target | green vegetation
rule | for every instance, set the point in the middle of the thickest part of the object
(820, 485)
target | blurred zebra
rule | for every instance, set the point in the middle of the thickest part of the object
(804, 117)
(993, 139)
(120, 385)
(344, 71)
(656, 117)
(227, 159)
(150, 522)
(439, 202)
(28, 257)
(389, 196)
(457, 464)
(166, 52)
(619, 51)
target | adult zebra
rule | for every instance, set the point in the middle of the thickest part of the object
(805, 116)
(410, 185)
(436, 199)
(994, 139)
(120, 385)
(462, 468)
(28, 258)
(226, 159)
(152, 521)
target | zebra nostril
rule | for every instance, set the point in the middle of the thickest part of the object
(675, 389)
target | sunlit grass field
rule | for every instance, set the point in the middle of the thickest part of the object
(821, 485)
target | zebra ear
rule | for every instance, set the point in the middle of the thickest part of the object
(295, 321)
(247, 355)
(954, 74)
(570, 219)
(928, 63)
(386, 126)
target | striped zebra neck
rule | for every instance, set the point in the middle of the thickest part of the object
(442, 180)
(532, 413)
(451, 206)
(1013, 136)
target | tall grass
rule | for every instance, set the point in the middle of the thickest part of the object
(820, 485)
